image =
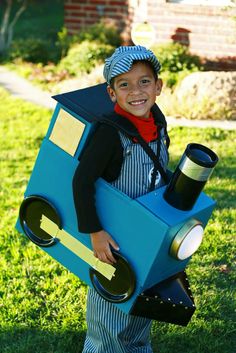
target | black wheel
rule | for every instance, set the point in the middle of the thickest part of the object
(31, 211)
(121, 287)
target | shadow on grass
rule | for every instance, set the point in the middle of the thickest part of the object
(36, 340)
(225, 200)
(209, 338)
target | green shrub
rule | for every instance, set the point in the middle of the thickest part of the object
(101, 32)
(33, 50)
(175, 57)
(65, 41)
(83, 57)
(176, 62)
(172, 79)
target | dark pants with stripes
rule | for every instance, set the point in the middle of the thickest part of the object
(109, 330)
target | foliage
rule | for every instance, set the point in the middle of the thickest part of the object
(172, 79)
(175, 59)
(47, 45)
(64, 41)
(83, 57)
(38, 26)
(42, 305)
(100, 32)
(78, 54)
(33, 50)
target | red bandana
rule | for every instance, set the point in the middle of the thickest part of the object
(146, 127)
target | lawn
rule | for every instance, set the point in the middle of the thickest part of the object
(42, 305)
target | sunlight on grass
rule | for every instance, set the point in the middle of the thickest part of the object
(42, 305)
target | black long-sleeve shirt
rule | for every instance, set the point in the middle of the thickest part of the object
(102, 157)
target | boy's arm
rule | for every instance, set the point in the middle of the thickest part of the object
(103, 156)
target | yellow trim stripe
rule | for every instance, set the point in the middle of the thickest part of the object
(77, 247)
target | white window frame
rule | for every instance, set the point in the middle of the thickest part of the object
(205, 2)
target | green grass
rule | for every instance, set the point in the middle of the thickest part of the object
(42, 305)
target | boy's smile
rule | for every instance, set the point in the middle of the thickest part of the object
(135, 91)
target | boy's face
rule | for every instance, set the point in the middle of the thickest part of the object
(135, 91)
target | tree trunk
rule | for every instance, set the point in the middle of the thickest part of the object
(7, 25)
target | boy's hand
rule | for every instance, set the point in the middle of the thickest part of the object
(102, 243)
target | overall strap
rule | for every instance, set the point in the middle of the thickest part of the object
(155, 158)
(120, 123)
(125, 126)
(160, 119)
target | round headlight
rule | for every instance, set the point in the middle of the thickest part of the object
(187, 240)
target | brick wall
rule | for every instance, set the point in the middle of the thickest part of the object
(82, 13)
(209, 31)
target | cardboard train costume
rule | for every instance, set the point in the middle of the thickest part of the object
(166, 225)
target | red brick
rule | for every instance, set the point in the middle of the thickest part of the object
(72, 20)
(90, 8)
(71, 7)
(118, 3)
(76, 14)
(98, 2)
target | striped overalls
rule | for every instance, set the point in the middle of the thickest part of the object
(109, 330)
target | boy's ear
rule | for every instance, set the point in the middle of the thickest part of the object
(159, 85)
(111, 93)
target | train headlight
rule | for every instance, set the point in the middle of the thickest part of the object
(187, 240)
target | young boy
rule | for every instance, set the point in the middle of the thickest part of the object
(133, 84)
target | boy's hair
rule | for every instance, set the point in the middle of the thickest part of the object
(123, 58)
(148, 63)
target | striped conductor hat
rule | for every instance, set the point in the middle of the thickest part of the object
(122, 59)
